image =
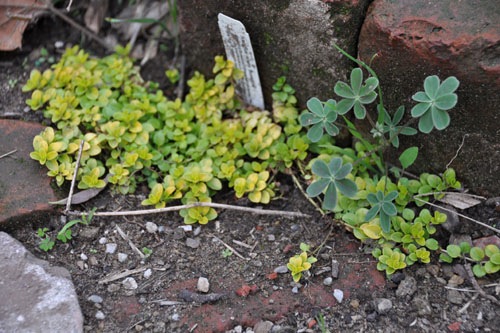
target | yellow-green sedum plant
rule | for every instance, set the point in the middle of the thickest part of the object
(183, 149)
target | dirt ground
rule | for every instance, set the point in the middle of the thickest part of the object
(158, 293)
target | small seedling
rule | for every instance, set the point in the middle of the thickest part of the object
(226, 253)
(46, 243)
(147, 251)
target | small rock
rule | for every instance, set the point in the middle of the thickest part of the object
(129, 283)
(93, 261)
(407, 287)
(103, 240)
(151, 227)
(328, 281)
(112, 288)
(186, 228)
(147, 273)
(281, 269)
(197, 231)
(122, 257)
(263, 327)
(354, 303)
(192, 242)
(203, 285)
(238, 329)
(95, 299)
(454, 297)
(383, 305)
(111, 248)
(455, 280)
(179, 233)
(271, 238)
(80, 264)
(371, 316)
(175, 317)
(422, 305)
(335, 269)
(99, 315)
(89, 232)
(83, 256)
(295, 290)
(339, 295)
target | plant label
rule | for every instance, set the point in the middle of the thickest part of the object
(239, 50)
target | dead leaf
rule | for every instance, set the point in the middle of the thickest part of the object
(461, 200)
(94, 16)
(15, 15)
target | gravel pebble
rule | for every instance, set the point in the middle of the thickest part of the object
(151, 227)
(99, 315)
(103, 240)
(328, 281)
(95, 298)
(203, 285)
(113, 288)
(122, 257)
(335, 268)
(271, 238)
(197, 231)
(129, 283)
(263, 326)
(295, 290)
(147, 273)
(339, 295)
(422, 305)
(383, 305)
(192, 243)
(111, 248)
(407, 287)
(454, 297)
(83, 256)
(281, 269)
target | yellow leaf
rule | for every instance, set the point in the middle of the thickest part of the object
(373, 231)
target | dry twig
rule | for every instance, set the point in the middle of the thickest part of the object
(73, 181)
(229, 247)
(130, 243)
(9, 153)
(116, 276)
(476, 285)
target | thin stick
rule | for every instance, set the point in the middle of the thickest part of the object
(74, 24)
(196, 204)
(477, 286)
(116, 276)
(461, 215)
(228, 246)
(458, 151)
(9, 153)
(73, 181)
(130, 243)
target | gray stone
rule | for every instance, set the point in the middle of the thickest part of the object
(281, 269)
(95, 298)
(328, 281)
(88, 232)
(151, 227)
(192, 242)
(454, 297)
(111, 248)
(33, 294)
(383, 305)
(99, 315)
(407, 287)
(263, 327)
(122, 257)
(129, 283)
(422, 305)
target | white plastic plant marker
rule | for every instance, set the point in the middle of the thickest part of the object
(239, 50)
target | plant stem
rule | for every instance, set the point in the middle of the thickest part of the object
(73, 181)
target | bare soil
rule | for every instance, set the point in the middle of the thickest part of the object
(265, 242)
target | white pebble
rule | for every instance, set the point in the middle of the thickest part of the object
(147, 273)
(295, 290)
(271, 238)
(175, 317)
(281, 269)
(151, 227)
(129, 283)
(83, 256)
(122, 257)
(197, 231)
(111, 248)
(339, 295)
(328, 281)
(99, 315)
(203, 285)
(186, 228)
(103, 240)
(95, 299)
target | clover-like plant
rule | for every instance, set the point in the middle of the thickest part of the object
(434, 102)
(322, 117)
(392, 127)
(356, 94)
(332, 177)
(383, 206)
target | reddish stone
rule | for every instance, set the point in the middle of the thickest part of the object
(246, 290)
(25, 190)
(483, 241)
(415, 39)
(272, 276)
(287, 248)
(311, 323)
(454, 327)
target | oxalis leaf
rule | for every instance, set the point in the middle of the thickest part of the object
(408, 157)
